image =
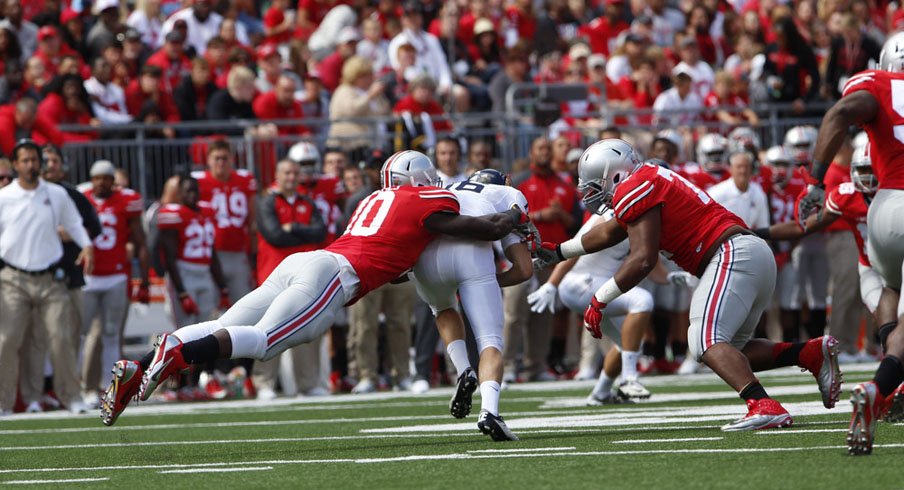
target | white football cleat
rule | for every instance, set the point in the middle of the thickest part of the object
(631, 389)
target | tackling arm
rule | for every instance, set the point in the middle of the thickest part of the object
(643, 235)
(489, 228)
(790, 230)
(858, 108)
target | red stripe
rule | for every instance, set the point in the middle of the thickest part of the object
(306, 316)
(710, 320)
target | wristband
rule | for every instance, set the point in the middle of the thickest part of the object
(571, 248)
(608, 292)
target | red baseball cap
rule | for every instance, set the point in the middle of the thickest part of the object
(46, 32)
(615, 2)
(68, 15)
(266, 51)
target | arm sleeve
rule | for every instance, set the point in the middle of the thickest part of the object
(71, 220)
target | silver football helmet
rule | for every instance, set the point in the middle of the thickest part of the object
(744, 138)
(408, 168)
(712, 152)
(892, 56)
(862, 171)
(801, 141)
(602, 167)
(779, 159)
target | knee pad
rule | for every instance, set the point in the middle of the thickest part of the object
(642, 302)
(250, 342)
(485, 341)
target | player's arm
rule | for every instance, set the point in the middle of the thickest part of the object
(855, 109)
(643, 234)
(522, 269)
(561, 270)
(490, 228)
(139, 241)
(791, 230)
(169, 245)
(600, 237)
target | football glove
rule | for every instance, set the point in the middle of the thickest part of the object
(811, 202)
(543, 299)
(189, 307)
(681, 278)
(545, 255)
(593, 316)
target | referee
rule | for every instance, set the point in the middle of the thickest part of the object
(33, 292)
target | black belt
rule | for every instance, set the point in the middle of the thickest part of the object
(33, 273)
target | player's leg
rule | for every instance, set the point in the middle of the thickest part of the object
(637, 304)
(789, 304)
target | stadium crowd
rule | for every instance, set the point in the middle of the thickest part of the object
(700, 70)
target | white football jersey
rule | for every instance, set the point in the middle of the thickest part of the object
(605, 262)
(474, 198)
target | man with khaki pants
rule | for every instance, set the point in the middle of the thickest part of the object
(396, 302)
(33, 294)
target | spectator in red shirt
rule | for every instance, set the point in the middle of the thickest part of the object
(603, 31)
(309, 15)
(725, 96)
(217, 58)
(51, 50)
(67, 102)
(149, 86)
(278, 26)
(269, 64)
(421, 100)
(522, 22)
(22, 120)
(280, 103)
(640, 89)
(330, 68)
(172, 60)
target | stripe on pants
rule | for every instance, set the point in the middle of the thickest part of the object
(717, 295)
(318, 306)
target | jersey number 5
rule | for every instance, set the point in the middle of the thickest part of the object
(370, 214)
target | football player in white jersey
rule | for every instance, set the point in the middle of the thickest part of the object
(449, 265)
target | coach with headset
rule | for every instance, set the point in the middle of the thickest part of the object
(32, 285)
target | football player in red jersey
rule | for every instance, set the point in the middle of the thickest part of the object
(231, 193)
(873, 100)
(325, 190)
(659, 210)
(105, 293)
(300, 299)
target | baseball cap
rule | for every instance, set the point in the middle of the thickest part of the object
(688, 41)
(482, 26)
(175, 36)
(615, 2)
(68, 15)
(101, 5)
(131, 34)
(578, 50)
(266, 51)
(596, 60)
(103, 167)
(683, 69)
(348, 34)
(634, 37)
(46, 32)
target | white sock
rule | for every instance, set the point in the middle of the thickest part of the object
(603, 388)
(629, 364)
(197, 331)
(489, 397)
(458, 352)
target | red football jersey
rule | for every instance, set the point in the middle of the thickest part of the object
(886, 130)
(196, 230)
(696, 174)
(326, 193)
(849, 203)
(385, 235)
(230, 200)
(691, 220)
(114, 214)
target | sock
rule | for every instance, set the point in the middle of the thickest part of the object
(662, 334)
(489, 397)
(883, 333)
(603, 388)
(556, 351)
(146, 360)
(816, 326)
(202, 350)
(889, 375)
(787, 353)
(458, 352)
(753, 391)
(648, 348)
(629, 364)
(679, 349)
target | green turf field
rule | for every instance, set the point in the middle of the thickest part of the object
(391, 440)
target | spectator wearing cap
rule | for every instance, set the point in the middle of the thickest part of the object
(486, 52)
(421, 101)
(22, 120)
(679, 105)
(431, 57)
(373, 46)
(172, 60)
(147, 19)
(134, 56)
(270, 68)
(51, 50)
(149, 87)
(627, 57)
(280, 103)
(515, 69)
(72, 31)
(359, 96)
(700, 71)
(202, 24)
(25, 31)
(602, 32)
(278, 26)
(33, 294)
(330, 68)
(194, 91)
(107, 99)
(105, 29)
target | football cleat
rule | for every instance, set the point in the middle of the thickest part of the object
(820, 357)
(123, 389)
(631, 389)
(167, 362)
(765, 413)
(611, 399)
(494, 426)
(896, 408)
(460, 404)
(869, 405)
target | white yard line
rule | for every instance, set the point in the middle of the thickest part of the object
(217, 470)
(796, 431)
(680, 439)
(523, 450)
(46, 482)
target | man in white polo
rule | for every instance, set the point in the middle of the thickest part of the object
(739, 195)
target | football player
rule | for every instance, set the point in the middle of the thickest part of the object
(325, 190)
(450, 265)
(658, 210)
(300, 299)
(871, 99)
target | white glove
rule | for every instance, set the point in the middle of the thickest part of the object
(543, 299)
(681, 278)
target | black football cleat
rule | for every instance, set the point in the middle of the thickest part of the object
(460, 404)
(494, 426)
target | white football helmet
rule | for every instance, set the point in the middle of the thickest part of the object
(602, 167)
(892, 56)
(409, 168)
(779, 159)
(862, 171)
(712, 152)
(860, 139)
(744, 138)
(801, 141)
(304, 152)
(675, 138)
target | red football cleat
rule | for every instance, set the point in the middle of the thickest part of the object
(167, 362)
(215, 389)
(820, 357)
(869, 407)
(765, 413)
(123, 389)
(896, 405)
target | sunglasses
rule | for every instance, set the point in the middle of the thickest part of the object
(6, 177)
